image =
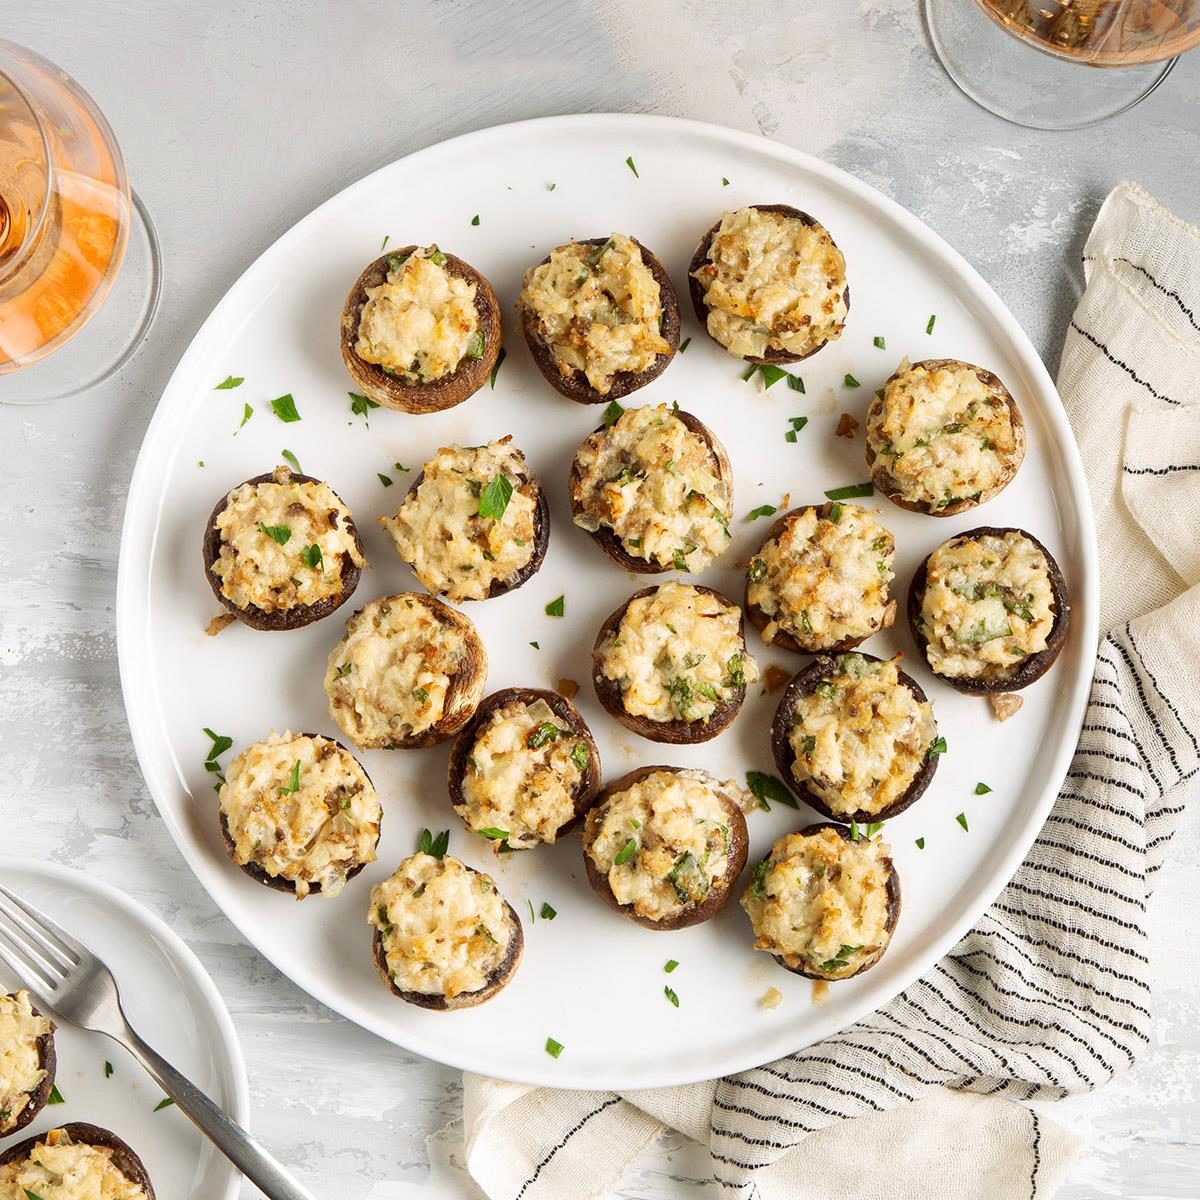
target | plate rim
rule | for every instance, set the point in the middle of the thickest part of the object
(185, 957)
(1084, 606)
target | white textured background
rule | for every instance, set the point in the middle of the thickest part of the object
(236, 119)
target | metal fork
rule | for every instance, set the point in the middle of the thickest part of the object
(69, 983)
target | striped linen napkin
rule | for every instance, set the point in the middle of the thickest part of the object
(1048, 994)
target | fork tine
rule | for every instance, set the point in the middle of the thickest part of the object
(32, 938)
(31, 975)
(70, 948)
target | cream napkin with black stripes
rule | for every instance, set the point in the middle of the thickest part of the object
(1048, 995)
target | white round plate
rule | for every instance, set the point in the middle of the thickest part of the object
(170, 1001)
(591, 980)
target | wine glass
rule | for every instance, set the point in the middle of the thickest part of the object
(77, 246)
(984, 46)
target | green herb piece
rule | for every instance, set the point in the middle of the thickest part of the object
(475, 344)
(771, 375)
(873, 828)
(735, 672)
(982, 789)
(757, 571)
(284, 407)
(556, 608)
(345, 669)
(535, 645)
(810, 744)
(496, 369)
(421, 695)
(551, 186)
(547, 731)
(220, 743)
(199, 462)
(229, 382)
(384, 479)
(108, 1069)
(670, 995)
(436, 257)
(475, 219)
(626, 853)
(764, 787)
(724, 181)
(679, 559)
(835, 513)
(687, 341)
(311, 555)
(247, 413)
(387, 237)
(938, 747)
(493, 834)
(929, 326)
(361, 405)
(850, 381)
(553, 1048)
(434, 846)
(920, 843)
(165, 1102)
(797, 385)
(612, 414)
(691, 884)
(630, 164)
(671, 965)
(806, 621)
(396, 261)
(494, 498)
(56, 1097)
(293, 783)
(293, 461)
(277, 533)
(854, 833)
(548, 912)
(880, 344)
(790, 436)
(962, 820)
(763, 510)
(580, 756)
(851, 491)
(28, 1194)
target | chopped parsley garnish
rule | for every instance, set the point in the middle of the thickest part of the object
(551, 186)
(553, 1048)
(679, 559)
(247, 413)
(806, 621)
(757, 571)
(384, 479)
(361, 405)
(840, 961)
(625, 853)
(220, 743)
(165, 1102)
(402, 468)
(535, 645)
(854, 833)
(580, 756)
(493, 834)
(790, 436)
(475, 345)
(277, 533)
(311, 556)
(850, 381)
(630, 164)
(735, 672)
(546, 732)
(962, 820)
(764, 787)
(108, 1069)
(851, 491)
(671, 965)
(763, 510)
(835, 513)
(284, 407)
(292, 461)
(293, 784)
(56, 1097)
(874, 828)
(345, 669)
(387, 237)
(880, 343)
(938, 747)
(612, 414)
(421, 695)
(396, 261)
(770, 374)
(434, 846)
(494, 498)
(929, 326)
(687, 341)
(437, 257)
(724, 181)
(229, 382)
(920, 843)
(475, 219)
(556, 608)
(548, 912)
(670, 995)
(496, 369)
(982, 789)
(797, 385)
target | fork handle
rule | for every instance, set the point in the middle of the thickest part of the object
(265, 1172)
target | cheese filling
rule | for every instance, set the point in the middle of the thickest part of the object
(677, 654)
(597, 309)
(861, 737)
(522, 775)
(302, 809)
(942, 435)
(284, 544)
(445, 928)
(821, 903)
(21, 1071)
(389, 677)
(448, 530)
(59, 1169)
(988, 605)
(422, 321)
(664, 842)
(655, 484)
(823, 580)
(771, 282)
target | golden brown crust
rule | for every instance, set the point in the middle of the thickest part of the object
(678, 731)
(718, 895)
(390, 390)
(1032, 668)
(81, 1133)
(585, 790)
(499, 977)
(882, 478)
(575, 386)
(697, 290)
(605, 538)
(803, 684)
(301, 614)
(783, 639)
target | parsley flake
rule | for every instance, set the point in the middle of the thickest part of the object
(284, 407)
(494, 498)
(556, 608)
(229, 382)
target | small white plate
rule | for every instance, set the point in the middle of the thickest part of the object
(171, 1002)
(589, 979)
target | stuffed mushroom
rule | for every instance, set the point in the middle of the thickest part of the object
(27, 1063)
(74, 1160)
